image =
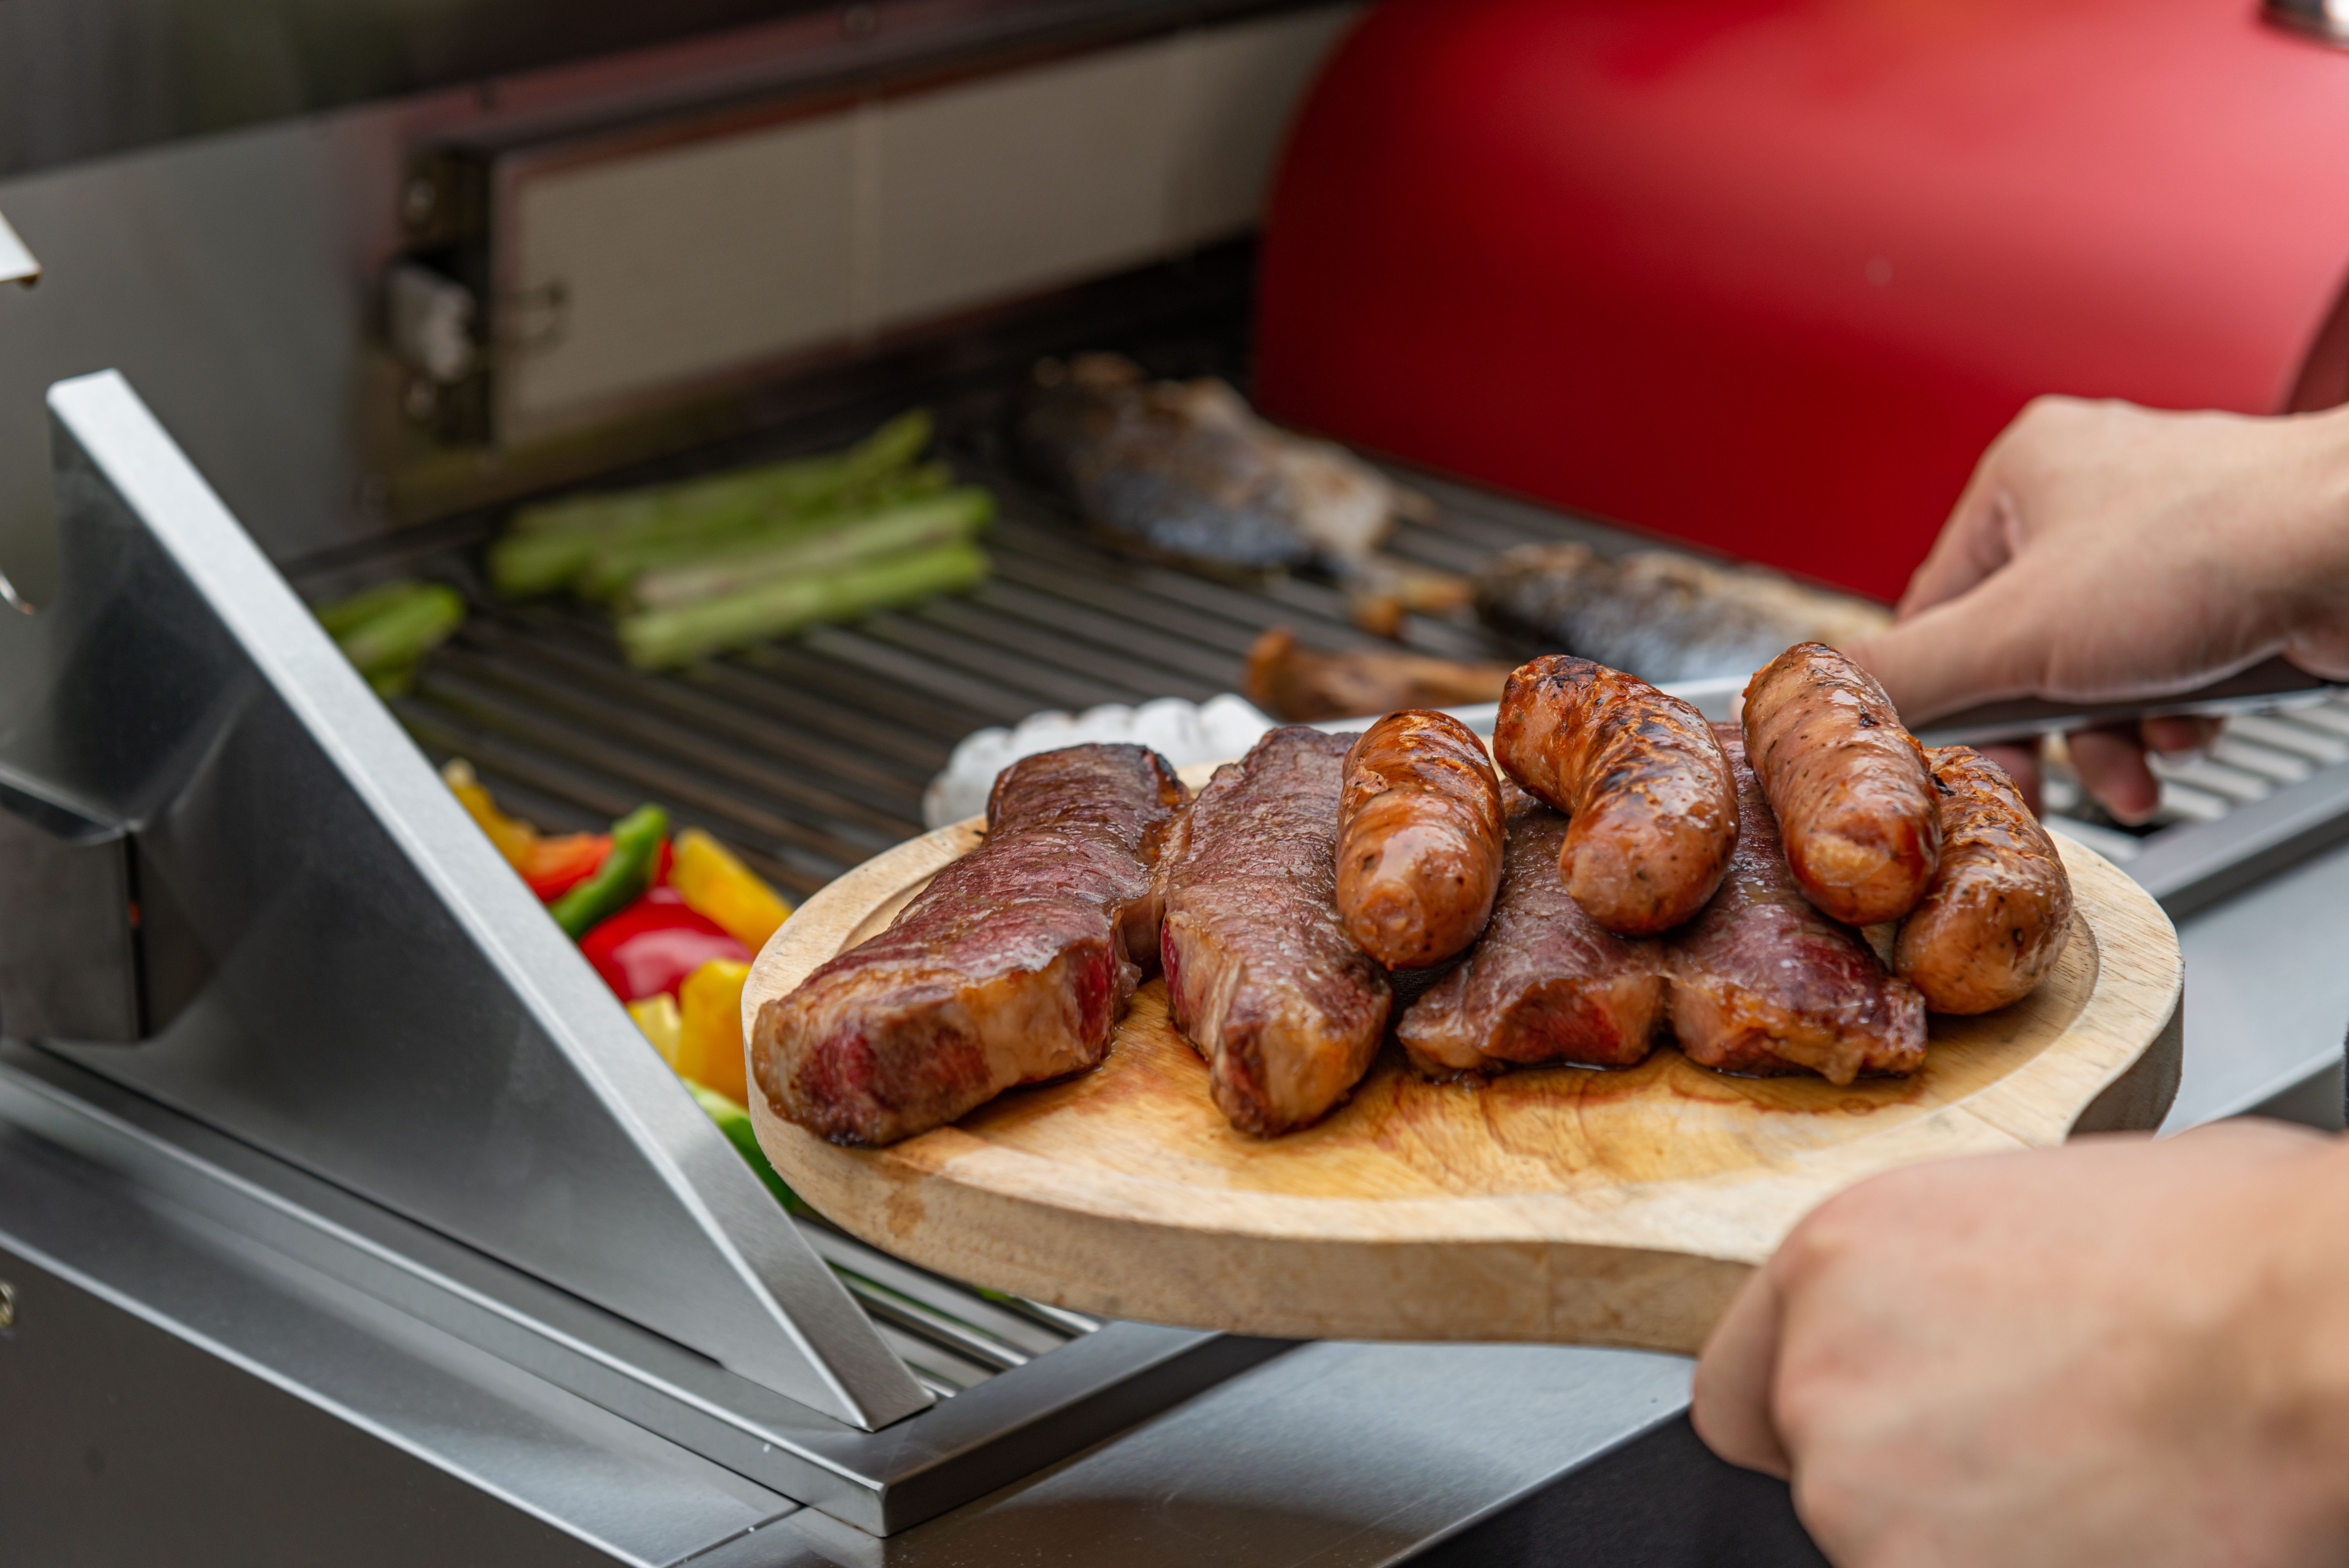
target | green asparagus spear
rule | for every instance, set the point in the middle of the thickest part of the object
(618, 562)
(347, 616)
(523, 564)
(386, 630)
(597, 541)
(845, 541)
(794, 485)
(657, 638)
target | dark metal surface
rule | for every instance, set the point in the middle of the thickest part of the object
(69, 925)
(2325, 19)
(82, 77)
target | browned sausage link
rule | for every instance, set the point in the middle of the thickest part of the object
(1853, 800)
(1654, 807)
(1419, 839)
(1999, 910)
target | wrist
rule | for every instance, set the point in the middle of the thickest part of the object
(2289, 1344)
(2308, 553)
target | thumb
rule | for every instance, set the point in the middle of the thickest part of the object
(1974, 648)
(1730, 1403)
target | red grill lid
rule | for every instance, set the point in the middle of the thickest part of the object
(1767, 274)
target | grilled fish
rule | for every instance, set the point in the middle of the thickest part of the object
(1660, 615)
(1185, 469)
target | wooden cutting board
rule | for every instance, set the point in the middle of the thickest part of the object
(1557, 1203)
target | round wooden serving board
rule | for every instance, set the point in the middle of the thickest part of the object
(1552, 1204)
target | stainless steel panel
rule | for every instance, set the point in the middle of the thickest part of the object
(2267, 996)
(295, 1395)
(2273, 829)
(1011, 1419)
(235, 275)
(475, 1417)
(388, 1005)
(1335, 1456)
(68, 925)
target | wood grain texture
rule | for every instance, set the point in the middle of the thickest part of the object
(1560, 1204)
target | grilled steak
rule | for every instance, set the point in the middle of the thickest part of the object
(1260, 975)
(1547, 983)
(1763, 983)
(1010, 967)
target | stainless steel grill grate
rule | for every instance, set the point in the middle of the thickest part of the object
(810, 754)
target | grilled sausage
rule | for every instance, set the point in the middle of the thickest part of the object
(1653, 805)
(1854, 798)
(1419, 839)
(1998, 912)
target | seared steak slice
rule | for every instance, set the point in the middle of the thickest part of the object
(1763, 983)
(1260, 975)
(1546, 983)
(1011, 967)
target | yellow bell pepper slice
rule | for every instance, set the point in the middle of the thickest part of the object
(720, 888)
(709, 1043)
(663, 1025)
(514, 838)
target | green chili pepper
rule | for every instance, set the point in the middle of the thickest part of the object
(735, 1123)
(624, 873)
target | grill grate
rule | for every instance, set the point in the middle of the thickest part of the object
(810, 755)
(2254, 756)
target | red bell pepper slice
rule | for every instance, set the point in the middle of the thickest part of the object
(556, 866)
(653, 944)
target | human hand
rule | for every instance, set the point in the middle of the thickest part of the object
(2119, 1352)
(2104, 552)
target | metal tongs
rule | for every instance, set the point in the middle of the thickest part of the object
(2275, 683)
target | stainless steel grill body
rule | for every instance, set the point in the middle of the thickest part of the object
(554, 1321)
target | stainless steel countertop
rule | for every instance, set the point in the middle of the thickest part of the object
(2267, 998)
(1335, 1454)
